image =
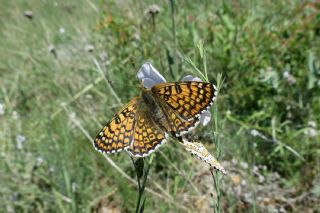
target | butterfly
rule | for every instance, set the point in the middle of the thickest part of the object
(147, 121)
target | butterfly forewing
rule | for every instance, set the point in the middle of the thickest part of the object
(187, 99)
(118, 133)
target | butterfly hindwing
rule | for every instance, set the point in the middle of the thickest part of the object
(118, 133)
(177, 126)
(187, 99)
(147, 137)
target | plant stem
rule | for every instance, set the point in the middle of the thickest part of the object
(173, 20)
(216, 177)
(142, 174)
(139, 185)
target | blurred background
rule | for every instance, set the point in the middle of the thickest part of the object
(67, 66)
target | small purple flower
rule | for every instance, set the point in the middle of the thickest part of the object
(149, 77)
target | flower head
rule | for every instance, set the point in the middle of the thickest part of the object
(28, 14)
(290, 79)
(20, 140)
(62, 30)
(149, 76)
(1, 109)
(153, 9)
(39, 161)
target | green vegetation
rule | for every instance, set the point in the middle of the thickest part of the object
(68, 66)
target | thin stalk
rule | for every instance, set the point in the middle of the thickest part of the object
(188, 60)
(216, 176)
(203, 56)
(142, 172)
(174, 36)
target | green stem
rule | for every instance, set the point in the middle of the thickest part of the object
(141, 184)
(173, 20)
(216, 176)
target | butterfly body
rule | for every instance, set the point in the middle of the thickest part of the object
(151, 106)
(148, 120)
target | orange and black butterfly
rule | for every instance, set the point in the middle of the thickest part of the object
(147, 120)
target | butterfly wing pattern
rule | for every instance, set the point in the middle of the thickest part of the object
(134, 130)
(117, 134)
(177, 125)
(147, 137)
(187, 99)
